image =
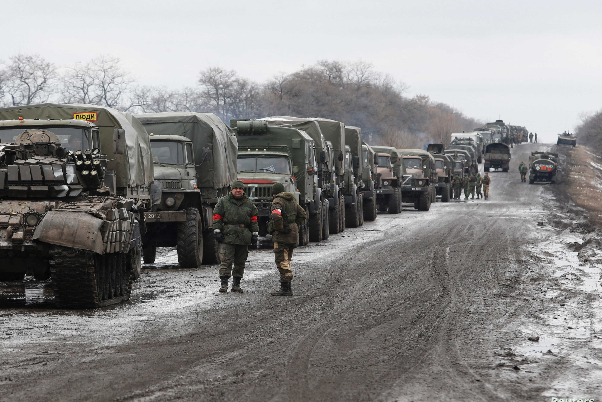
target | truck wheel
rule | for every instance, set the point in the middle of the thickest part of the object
(445, 194)
(315, 225)
(210, 248)
(531, 181)
(341, 214)
(504, 169)
(424, 202)
(352, 217)
(304, 231)
(334, 218)
(325, 222)
(369, 209)
(190, 240)
(360, 208)
(149, 253)
(395, 202)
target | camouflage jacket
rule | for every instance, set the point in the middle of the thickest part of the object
(523, 168)
(457, 181)
(472, 180)
(285, 219)
(486, 180)
(236, 219)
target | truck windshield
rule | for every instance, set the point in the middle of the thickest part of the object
(71, 138)
(439, 164)
(384, 161)
(412, 163)
(348, 160)
(458, 165)
(263, 164)
(365, 158)
(167, 152)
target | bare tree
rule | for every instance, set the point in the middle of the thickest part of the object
(216, 84)
(29, 79)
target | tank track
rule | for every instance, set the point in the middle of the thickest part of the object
(84, 279)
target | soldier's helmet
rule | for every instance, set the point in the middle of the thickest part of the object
(277, 188)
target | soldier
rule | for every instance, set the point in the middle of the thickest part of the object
(523, 169)
(235, 227)
(465, 186)
(536, 138)
(530, 137)
(457, 182)
(486, 182)
(472, 182)
(479, 185)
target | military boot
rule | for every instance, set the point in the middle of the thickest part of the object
(285, 290)
(224, 287)
(236, 285)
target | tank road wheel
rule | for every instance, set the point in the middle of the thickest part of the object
(325, 220)
(352, 217)
(395, 202)
(445, 194)
(315, 225)
(360, 208)
(424, 204)
(341, 214)
(210, 248)
(83, 279)
(369, 209)
(190, 240)
(149, 253)
(334, 219)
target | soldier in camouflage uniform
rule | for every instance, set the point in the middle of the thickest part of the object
(465, 186)
(523, 169)
(285, 219)
(457, 181)
(472, 182)
(486, 181)
(479, 185)
(235, 227)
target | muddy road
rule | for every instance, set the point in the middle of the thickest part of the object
(477, 300)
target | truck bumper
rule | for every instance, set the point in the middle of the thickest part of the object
(411, 194)
(165, 216)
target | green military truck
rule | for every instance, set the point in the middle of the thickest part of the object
(472, 139)
(74, 182)
(543, 167)
(444, 166)
(497, 156)
(269, 154)
(420, 178)
(369, 182)
(357, 184)
(194, 157)
(464, 156)
(390, 172)
(330, 165)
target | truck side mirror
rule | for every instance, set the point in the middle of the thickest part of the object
(119, 141)
(341, 157)
(322, 156)
(356, 162)
(376, 159)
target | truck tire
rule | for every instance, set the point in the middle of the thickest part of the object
(315, 225)
(352, 216)
(210, 248)
(304, 231)
(445, 194)
(134, 258)
(341, 214)
(360, 208)
(424, 204)
(333, 218)
(504, 169)
(325, 221)
(395, 202)
(190, 240)
(369, 209)
(531, 181)
(149, 253)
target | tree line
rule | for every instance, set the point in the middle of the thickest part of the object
(351, 92)
(589, 132)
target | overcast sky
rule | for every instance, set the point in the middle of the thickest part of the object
(534, 63)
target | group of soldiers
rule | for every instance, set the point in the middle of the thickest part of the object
(531, 137)
(470, 185)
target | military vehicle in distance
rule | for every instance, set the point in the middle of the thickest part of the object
(329, 166)
(543, 167)
(567, 139)
(419, 181)
(356, 182)
(194, 157)
(369, 182)
(74, 181)
(269, 154)
(465, 157)
(390, 172)
(474, 139)
(497, 156)
(444, 166)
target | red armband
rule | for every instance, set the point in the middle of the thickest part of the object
(217, 217)
(254, 218)
(277, 211)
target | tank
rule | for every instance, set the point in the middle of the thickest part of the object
(74, 181)
(567, 139)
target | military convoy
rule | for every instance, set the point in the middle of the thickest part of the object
(567, 139)
(194, 157)
(543, 167)
(74, 183)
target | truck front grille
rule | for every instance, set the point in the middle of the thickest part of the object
(259, 191)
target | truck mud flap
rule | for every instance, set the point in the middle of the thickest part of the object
(78, 230)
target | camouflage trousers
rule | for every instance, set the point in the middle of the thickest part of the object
(283, 253)
(486, 190)
(232, 254)
(523, 177)
(457, 192)
(478, 188)
(470, 191)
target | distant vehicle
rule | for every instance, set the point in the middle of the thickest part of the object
(390, 172)
(567, 139)
(543, 167)
(420, 179)
(444, 165)
(474, 138)
(497, 156)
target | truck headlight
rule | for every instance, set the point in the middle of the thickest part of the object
(170, 201)
(386, 182)
(420, 182)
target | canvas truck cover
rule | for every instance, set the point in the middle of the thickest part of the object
(353, 138)
(215, 145)
(138, 159)
(333, 131)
